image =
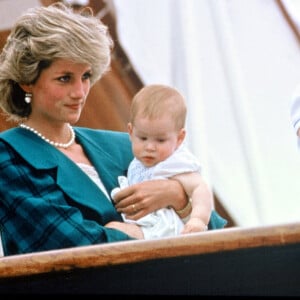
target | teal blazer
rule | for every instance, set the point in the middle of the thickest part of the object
(48, 202)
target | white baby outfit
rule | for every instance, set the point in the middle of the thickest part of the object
(164, 222)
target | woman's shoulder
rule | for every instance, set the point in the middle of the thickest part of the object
(117, 141)
(5, 137)
(9, 135)
(85, 131)
(8, 131)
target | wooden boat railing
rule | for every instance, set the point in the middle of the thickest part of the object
(260, 261)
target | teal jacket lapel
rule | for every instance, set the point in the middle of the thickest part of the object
(71, 179)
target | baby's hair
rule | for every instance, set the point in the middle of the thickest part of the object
(155, 100)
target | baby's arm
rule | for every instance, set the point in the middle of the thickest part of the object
(201, 198)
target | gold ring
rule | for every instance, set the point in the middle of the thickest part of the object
(133, 207)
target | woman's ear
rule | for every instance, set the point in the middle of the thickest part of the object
(25, 87)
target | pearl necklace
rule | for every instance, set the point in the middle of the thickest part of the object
(55, 144)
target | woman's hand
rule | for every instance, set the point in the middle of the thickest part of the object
(140, 199)
(131, 229)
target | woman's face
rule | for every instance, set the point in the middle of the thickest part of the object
(60, 92)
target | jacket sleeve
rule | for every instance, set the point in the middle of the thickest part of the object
(35, 215)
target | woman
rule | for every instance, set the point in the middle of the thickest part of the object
(55, 179)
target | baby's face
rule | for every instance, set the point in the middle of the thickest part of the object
(154, 140)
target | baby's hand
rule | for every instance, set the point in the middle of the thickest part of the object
(123, 183)
(194, 225)
(114, 191)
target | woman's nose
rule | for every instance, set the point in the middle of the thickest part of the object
(78, 90)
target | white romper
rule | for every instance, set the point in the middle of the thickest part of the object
(164, 222)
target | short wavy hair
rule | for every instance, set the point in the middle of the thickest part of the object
(155, 100)
(40, 36)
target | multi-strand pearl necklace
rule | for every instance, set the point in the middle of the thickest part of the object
(55, 144)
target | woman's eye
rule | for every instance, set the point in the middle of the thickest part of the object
(64, 78)
(87, 75)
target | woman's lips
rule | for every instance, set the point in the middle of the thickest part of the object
(74, 106)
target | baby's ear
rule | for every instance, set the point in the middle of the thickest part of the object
(181, 135)
(129, 128)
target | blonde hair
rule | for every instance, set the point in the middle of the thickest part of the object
(42, 35)
(155, 100)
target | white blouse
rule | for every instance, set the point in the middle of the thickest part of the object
(92, 173)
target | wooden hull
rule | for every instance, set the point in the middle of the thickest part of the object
(261, 261)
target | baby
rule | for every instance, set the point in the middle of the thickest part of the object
(157, 132)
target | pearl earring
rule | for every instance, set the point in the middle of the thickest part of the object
(28, 97)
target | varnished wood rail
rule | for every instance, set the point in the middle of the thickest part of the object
(260, 261)
(137, 251)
